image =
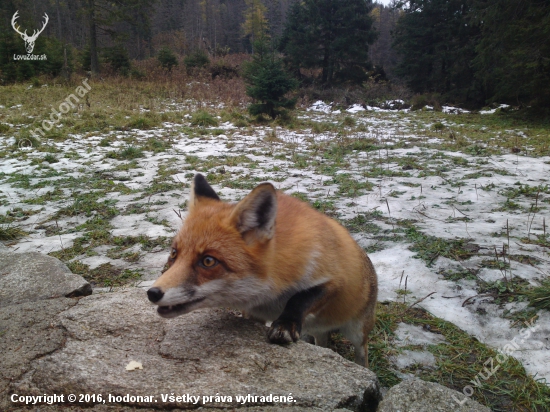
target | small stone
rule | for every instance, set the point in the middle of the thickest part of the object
(415, 395)
(133, 365)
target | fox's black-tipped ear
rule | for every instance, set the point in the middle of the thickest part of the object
(201, 189)
(254, 216)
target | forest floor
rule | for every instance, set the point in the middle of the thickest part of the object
(453, 209)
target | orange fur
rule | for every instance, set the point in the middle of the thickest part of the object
(261, 263)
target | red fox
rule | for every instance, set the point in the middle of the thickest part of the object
(276, 259)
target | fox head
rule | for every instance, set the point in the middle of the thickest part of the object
(216, 258)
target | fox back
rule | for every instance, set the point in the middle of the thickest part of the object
(276, 259)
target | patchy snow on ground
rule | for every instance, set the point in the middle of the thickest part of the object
(453, 110)
(492, 111)
(487, 199)
(320, 106)
(355, 108)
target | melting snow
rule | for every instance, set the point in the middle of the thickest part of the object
(447, 194)
(320, 106)
(491, 111)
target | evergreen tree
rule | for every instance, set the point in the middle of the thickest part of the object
(436, 43)
(114, 19)
(268, 83)
(330, 34)
(20, 70)
(167, 58)
(117, 57)
(513, 54)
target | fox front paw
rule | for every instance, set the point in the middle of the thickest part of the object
(284, 331)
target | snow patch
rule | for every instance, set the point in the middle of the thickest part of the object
(502, 106)
(454, 110)
(414, 335)
(355, 108)
(320, 106)
(409, 357)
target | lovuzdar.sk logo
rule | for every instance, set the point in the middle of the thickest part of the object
(29, 40)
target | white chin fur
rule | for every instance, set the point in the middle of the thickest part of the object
(238, 294)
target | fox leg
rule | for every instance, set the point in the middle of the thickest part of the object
(288, 326)
(357, 331)
(354, 332)
(321, 339)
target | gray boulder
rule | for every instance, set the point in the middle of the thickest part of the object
(119, 408)
(32, 276)
(205, 353)
(416, 395)
(28, 331)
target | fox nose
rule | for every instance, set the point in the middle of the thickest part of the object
(155, 294)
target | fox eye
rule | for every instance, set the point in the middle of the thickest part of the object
(209, 261)
(173, 253)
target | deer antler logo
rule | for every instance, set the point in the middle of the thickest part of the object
(29, 40)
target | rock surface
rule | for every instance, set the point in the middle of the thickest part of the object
(32, 276)
(107, 408)
(53, 344)
(204, 353)
(416, 395)
(28, 331)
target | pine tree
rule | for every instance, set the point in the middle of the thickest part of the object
(268, 82)
(330, 34)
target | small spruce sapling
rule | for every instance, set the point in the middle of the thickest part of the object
(268, 82)
(167, 58)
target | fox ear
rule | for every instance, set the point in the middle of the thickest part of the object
(200, 189)
(254, 216)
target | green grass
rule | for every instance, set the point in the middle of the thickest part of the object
(25, 139)
(349, 121)
(143, 122)
(324, 206)
(350, 186)
(87, 203)
(458, 361)
(541, 240)
(97, 233)
(51, 196)
(322, 127)
(147, 243)
(128, 153)
(16, 214)
(525, 190)
(352, 157)
(50, 158)
(429, 248)
(539, 297)
(156, 146)
(11, 232)
(363, 223)
(105, 275)
(203, 119)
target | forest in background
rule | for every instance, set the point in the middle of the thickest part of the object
(470, 52)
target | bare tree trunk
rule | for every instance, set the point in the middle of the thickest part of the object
(65, 70)
(59, 25)
(94, 61)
